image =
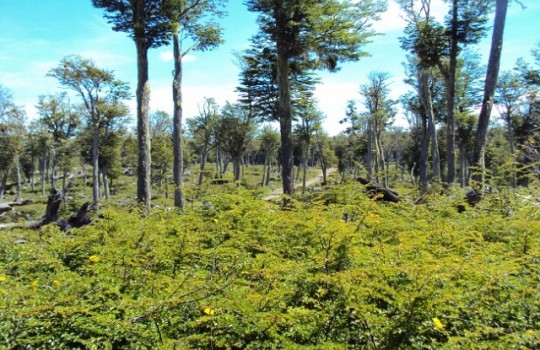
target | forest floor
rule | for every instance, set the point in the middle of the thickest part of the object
(309, 182)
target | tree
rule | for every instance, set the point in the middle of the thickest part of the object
(269, 140)
(312, 35)
(61, 120)
(310, 121)
(508, 94)
(203, 131)
(233, 133)
(325, 152)
(161, 130)
(97, 88)
(148, 24)
(380, 113)
(186, 21)
(12, 130)
(492, 75)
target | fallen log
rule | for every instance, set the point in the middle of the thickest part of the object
(54, 201)
(379, 192)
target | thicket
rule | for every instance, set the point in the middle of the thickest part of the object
(336, 270)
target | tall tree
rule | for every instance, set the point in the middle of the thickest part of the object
(465, 25)
(96, 87)
(61, 120)
(12, 130)
(310, 119)
(161, 130)
(234, 132)
(269, 141)
(148, 24)
(380, 113)
(311, 35)
(187, 18)
(508, 95)
(492, 75)
(203, 130)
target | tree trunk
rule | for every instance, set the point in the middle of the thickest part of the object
(422, 167)
(492, 76)
(4, 184)
(53, 171)
(237, 163)
(95, 162)
(425, 97)
(304, 170)
(369, 155)
(203, 165)
(106, 191)
(510, 132)
(284, 102)
(19, 184)
(33, 174)
(450, 98)
(43, 166)
(263, 181)
(143, 102)
(178, 167)
(463, 165)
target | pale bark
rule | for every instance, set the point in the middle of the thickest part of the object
(143, 130)
(178, 166)
(492, 76)
(426, 99)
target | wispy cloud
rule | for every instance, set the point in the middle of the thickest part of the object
(167, 56)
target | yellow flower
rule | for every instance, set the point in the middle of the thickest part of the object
(34, 285)
(56, 283)
(438, 324)
(209, 311)
(3, 278)
(94, 259)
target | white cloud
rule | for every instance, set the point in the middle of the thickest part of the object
(167, 56)
(393, 18)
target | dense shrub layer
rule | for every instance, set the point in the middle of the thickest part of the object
(339, 271)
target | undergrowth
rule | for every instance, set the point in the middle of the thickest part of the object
(337, 271)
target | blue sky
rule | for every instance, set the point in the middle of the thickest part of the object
(36, 35)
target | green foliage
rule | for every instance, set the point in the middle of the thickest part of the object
(341, 271)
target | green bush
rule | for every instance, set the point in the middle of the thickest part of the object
(340, 271)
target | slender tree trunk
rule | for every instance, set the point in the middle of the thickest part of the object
(424, 146)
(369, 155)
(304, 170)
(284, 102)
(143, 102)
(382, 162)
(510, 136)
(425, 97)
(18, 172)
(4, 184)
(463, 165)
(43, 165)
(450, 98)
(237, 163)
(106, 190)
(203, 165)
(492, 76)
(95, 163)
(263, 182)
(33, 174)
(178, 168)
(53, 171)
